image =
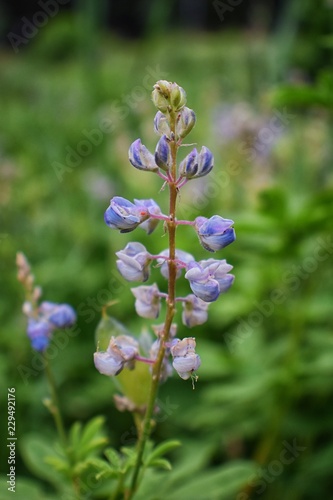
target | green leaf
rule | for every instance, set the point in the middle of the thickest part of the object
(75, 435)
(91, 429)
(34, 451)
(161, 450)
(113, 457)
(219, 484)
(160, 463)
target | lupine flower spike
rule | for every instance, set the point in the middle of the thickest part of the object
(45, 317)
(207, 279)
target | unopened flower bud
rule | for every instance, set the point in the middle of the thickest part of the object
(163, 153)
(197, 164)
(161, 124)
(168, 96)
(185, 122)
(177, 97)
(141, 158)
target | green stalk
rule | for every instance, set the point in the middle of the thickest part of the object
(54, 406)
(171, 224)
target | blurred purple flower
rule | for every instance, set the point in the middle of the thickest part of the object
(39, 332)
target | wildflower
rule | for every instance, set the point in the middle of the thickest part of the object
(163, 153)
(134, 262)
(153, 209)
(197, 164)
(209, 278)
(148, 302)
(124, 215)
(168, 96)
(141, 158)
(39, 332)
(59, 315)
(185, 122)
(185, 360)
(215, 233)
(219, 269)
(161, 124)
(194, 311)
(121, 353)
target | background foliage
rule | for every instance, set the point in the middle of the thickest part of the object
(264, 107)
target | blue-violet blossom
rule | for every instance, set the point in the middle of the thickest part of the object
(133, 262)
(215, 233)
(121, 353)
(147, 301)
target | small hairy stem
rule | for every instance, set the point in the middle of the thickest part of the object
(156, 372)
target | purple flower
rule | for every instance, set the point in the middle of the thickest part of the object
(185, 360)
(215, 233)
(121, 352)
(59, 315)
(124, 215)
(148, 302)
(194, 311)
(161, 124)
(209, 278)
(163, 153)
(181, 256)
(219, 269)
(197, 164)
(134, 262)
(153, 209)
(141, 158)
(185, 122)
(39, 331)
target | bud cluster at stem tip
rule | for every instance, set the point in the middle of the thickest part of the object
(207, 279)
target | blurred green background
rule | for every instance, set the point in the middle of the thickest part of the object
(73, 98)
